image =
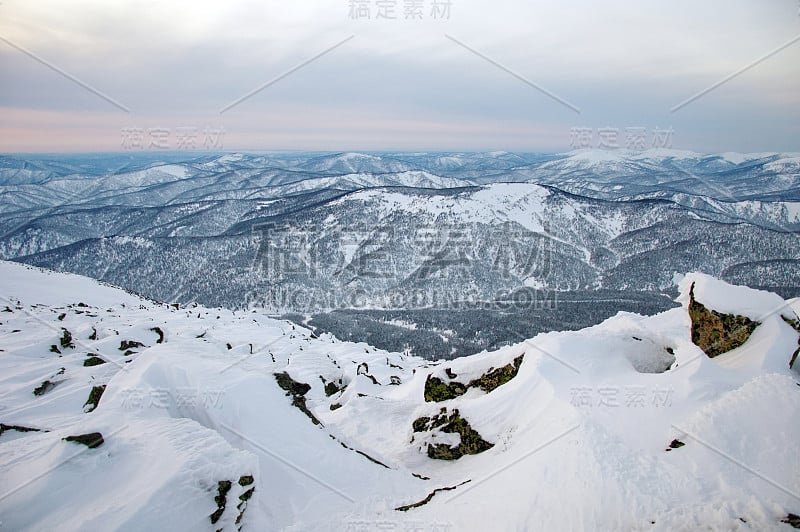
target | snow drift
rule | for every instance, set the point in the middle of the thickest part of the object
(213, 419)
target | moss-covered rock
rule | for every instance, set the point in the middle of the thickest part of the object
(436, 390)
(93, 360)
(243, 498)
(223, 487)
(297, 391)
(127, 345)
(290, 385)
(94, 397)
(421, 424)
(495, 378)
(717, 333)
(221, 498)
(66, 339)
(794, 323)
(44, 387)
(331, 388)
(470, 441)
(91, 440)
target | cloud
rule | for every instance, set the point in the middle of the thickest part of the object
(623, 64)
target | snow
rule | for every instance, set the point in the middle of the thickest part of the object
(135, 241)
(149, 176)
(110, 488)
(39, 286)
(597, 156)
(785, 164)
(664, 153)
(579, 434)
(729, 299)
(795, 304)
(411, 326)
(522, 203)
(231, 158)
(739, 158)
(592, 155)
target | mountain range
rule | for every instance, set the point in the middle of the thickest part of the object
(369, 235)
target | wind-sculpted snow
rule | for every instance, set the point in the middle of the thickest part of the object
(566, 430)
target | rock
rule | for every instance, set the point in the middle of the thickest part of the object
(792, 519)
(127, 345)
(675, 444)
(94, 397)
(160, 334)
(44, 387)
(436, 390)
(296, 390)
(470, 441)
(223, 487)
(716, 333)
(91, 440)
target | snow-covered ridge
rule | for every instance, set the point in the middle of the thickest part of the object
(575, 425)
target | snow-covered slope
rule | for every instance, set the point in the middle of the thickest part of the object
(565, 431)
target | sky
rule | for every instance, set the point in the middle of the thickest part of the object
(413, 75)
